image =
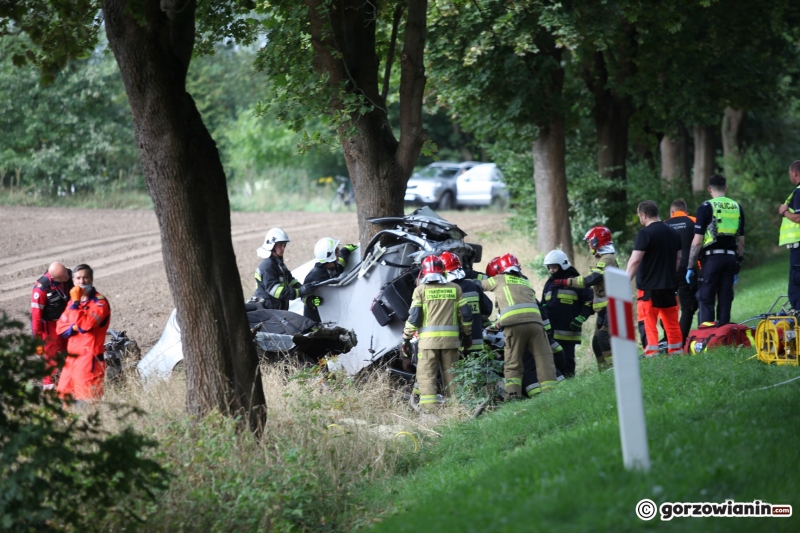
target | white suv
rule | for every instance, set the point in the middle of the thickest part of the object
(435, 185)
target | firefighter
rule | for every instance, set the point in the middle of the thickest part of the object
(479, 303)
(567, 308)
(790, 234)
(719, 244)
(680, 221)
(331, 261)
(522, 326)
(84, 324)
(275, 285)
(602, 247)
(49, 298)
(440, 316)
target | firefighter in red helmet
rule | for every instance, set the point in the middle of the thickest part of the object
(440, 317)
(479, 303)
(522, 325)
(602, 247)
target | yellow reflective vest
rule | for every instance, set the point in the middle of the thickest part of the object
(725, 215)
(790, 231)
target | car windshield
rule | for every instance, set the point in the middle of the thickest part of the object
(436, 172)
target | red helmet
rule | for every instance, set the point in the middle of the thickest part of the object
(508, 263)
(432, 269)
(493, 267)
(598, 236)
(450, 261)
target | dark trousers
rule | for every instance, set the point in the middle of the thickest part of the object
(715, 286)
(569, 357)
(794, 278)
(687, 298)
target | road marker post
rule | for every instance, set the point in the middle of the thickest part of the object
(630, 406)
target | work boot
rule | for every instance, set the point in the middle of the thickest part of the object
(533, 390)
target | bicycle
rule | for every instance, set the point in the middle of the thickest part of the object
(344, 196)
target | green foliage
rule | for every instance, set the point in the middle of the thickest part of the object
(61, 471)
(476, 376)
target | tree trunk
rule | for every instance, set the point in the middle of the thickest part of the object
(343, 36)
(703, 157)
(550, 178)
(612, 114)
(674, 157)
(731, 138)
(187, 183)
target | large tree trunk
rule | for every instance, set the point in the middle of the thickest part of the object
(343, 36)
(612, 114)
(550, 178)
(732, 121)
(187, 183)
(674, 158)
(703, 157)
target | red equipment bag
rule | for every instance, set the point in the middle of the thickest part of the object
(709, 335)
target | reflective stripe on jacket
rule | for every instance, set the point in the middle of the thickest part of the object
(596, 280)
(790, 231)
(439, 314)
(725, 215)
(91, 319)
(515, 299)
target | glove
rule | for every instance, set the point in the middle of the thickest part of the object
(350, 247)
(689, 274)
(315, 301)
(40, 350)
(466, 342)
(735, 278)
(577, 323)
(306, 290)
(75, 294)
(407, 347)
(561, 282)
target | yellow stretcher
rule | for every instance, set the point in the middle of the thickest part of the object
(778, 336)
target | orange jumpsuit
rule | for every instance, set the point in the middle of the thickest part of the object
(84, 324)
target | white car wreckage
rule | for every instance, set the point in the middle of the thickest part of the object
(364, 309)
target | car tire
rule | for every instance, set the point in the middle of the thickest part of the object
(445, 202)
(498, 203)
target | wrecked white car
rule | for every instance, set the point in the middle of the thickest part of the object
(364, 308)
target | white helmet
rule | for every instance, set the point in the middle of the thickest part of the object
(274, 236)
(325, 250)
(557, 257)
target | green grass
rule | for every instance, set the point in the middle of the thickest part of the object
(555, 463)
(102, 199)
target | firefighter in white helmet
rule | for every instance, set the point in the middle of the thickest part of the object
(275, 285)
(567, 308)
(331, 262)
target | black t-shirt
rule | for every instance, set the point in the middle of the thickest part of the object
(684, 225)
(660, 244)
(705, 214)
(794, 203)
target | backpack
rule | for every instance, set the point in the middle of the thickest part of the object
(709, 335)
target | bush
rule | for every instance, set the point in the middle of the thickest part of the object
(61, 471)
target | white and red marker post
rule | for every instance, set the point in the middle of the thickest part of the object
(630, 407)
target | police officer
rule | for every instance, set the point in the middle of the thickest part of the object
(522, 325)
(49, 298)
(567, 308)
(275, 285)
(440, 316)
(602, 248)
(790, 234)
(479, 303)
(680, 221)
(331, 261)
(719, 244)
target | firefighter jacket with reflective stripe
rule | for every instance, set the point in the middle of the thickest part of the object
(275, 284)
(319, 273)
(90, 320)
(596, 280)
(48, 300)
(790, 231)
(725, 214)
(439, 315)
(515, 299)
(481, 307)
(565, 304)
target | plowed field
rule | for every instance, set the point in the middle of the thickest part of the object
(124, 249)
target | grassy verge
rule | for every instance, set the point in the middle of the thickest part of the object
(555, 463)
(110, 199)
